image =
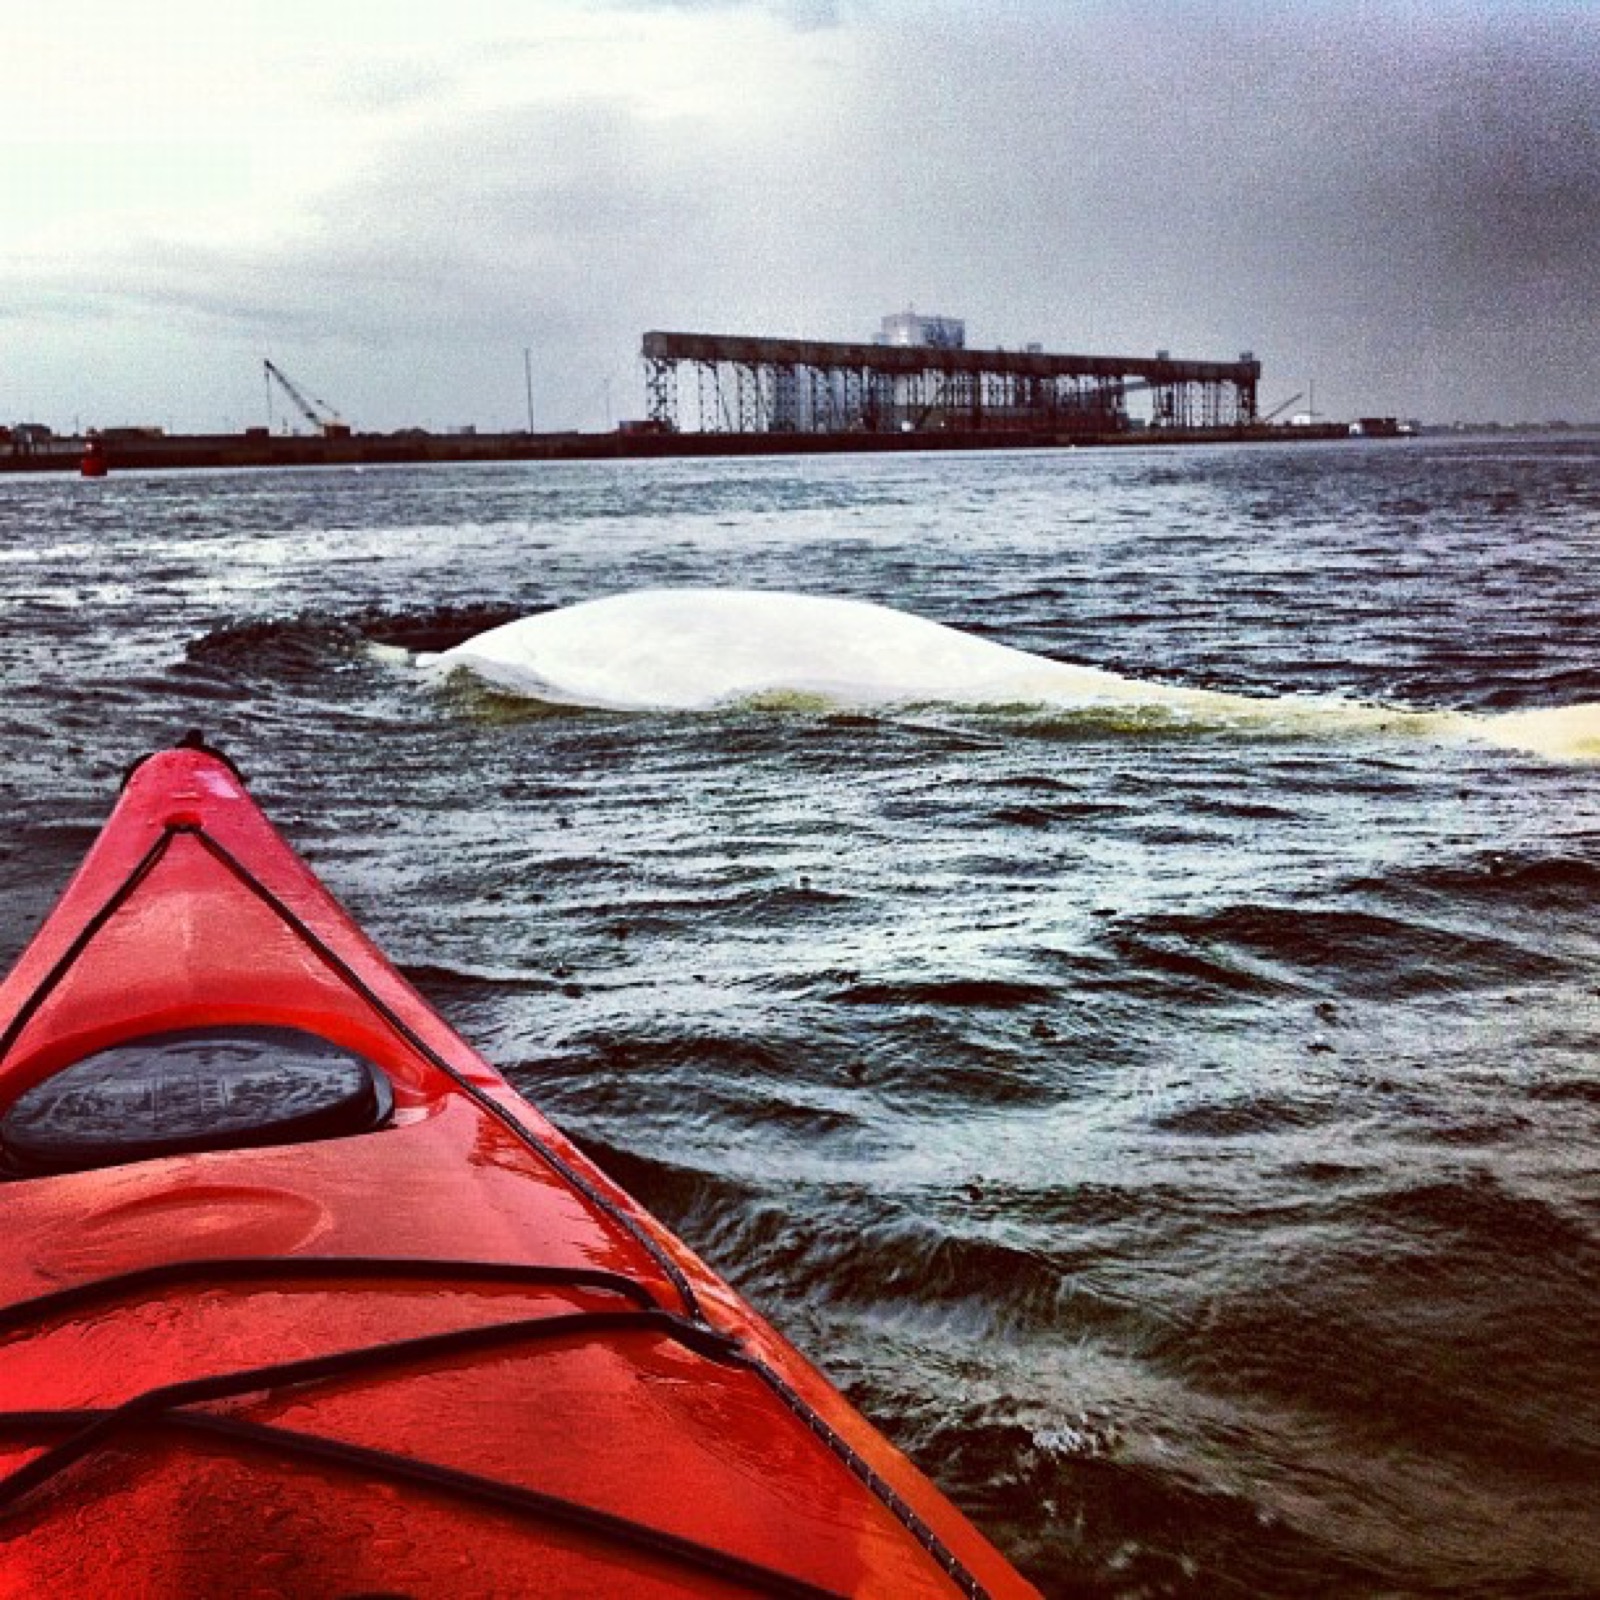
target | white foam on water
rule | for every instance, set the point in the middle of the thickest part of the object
(700, 649)
(1563, 733)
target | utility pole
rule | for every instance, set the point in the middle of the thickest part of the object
(527, 378)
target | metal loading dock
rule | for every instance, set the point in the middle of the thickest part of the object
(718, 383)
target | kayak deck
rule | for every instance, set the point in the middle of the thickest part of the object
(430, 1349)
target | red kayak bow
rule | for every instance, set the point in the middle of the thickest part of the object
(298, 1297)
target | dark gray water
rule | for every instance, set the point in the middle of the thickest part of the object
(1182, 1134)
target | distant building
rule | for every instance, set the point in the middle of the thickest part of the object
(27, 438)
(936, 333)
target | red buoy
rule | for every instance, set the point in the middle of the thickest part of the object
(94, 463)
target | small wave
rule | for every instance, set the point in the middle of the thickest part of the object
(1503, 877)
(1266, 949)
(742, 1086)
(309, 640)
(996, 993)
(275, 646)
(1172, 951)
(856, 1251)
(1484, 1214)
(1574, 1091)
(1235, 1118)
(1118, 1521)
(433, 629)
(444, 984)
(668, 1189)
(709, 649)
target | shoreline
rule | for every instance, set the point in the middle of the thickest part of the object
(191, 451)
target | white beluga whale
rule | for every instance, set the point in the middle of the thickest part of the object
(698, 649)
(705, 649)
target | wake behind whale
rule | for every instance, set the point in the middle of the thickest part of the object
(702, 649)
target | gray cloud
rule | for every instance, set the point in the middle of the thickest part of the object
(1401, 205)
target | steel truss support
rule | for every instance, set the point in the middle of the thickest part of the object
(661, 392)
(742, 385)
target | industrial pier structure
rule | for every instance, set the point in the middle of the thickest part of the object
(724, 384)
(915, 387)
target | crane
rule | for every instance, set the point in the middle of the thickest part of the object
(317, 412)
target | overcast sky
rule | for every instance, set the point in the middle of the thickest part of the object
(1397, 202)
